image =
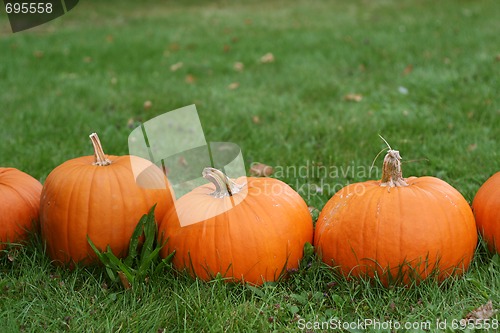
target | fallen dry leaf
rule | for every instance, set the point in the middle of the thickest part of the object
(176, 66)
(38, 54)
(226, 48)
(238, 66)
(472, 147)
(147, 105)
(261, 170)
(11, 256)
(353, 97)
(190, 79)
(256, 119)
(482, 313)
(408, 69)
(133, 123)
(233, 86)
(497, 58)
(267, 58)
(174, 47)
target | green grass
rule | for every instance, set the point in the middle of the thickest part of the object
(92, 70)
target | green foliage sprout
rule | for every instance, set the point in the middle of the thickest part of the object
(142, 259)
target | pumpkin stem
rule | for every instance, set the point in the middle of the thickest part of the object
(392, 176)
(100, 157)
(224, 186)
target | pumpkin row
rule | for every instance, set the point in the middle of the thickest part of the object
(252, 229)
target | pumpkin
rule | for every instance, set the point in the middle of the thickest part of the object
(245, 232)
(100, 198)
(399, 229)
(19, 205)
(486, 207)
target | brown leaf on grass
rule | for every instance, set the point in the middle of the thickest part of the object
(261, 170)
(255, 119)
(147, 105)
(109, 38)
(11, 255)
(238, 66)
(123, 279)
(353, 97)
(482, 313)
(133, 123)
(472, 147)
(226, 48)
(408, 69)
(176, 66)
(190, 79)
(87, 59)
(174, 47)
(497, 58)
(248, 21)
(38, 54)
(267, 58)
(233, 86)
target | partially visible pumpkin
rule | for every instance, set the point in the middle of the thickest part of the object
(400, 229)
(99, 197)
(486, 206)
(246, 233)
(19, 205)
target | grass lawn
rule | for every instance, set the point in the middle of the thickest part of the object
(427, 76)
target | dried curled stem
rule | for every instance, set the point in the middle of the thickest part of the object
(224, 186)
(392, 176)
(100, 157)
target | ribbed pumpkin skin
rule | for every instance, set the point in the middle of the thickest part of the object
(253, 242)
(103, 202)
(426, 226)
(19, 205)
(486, 206)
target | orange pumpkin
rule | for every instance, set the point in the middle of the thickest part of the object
(486, 206)
(99, 197)
(249, 233)
(397, 228)
(19, 205)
